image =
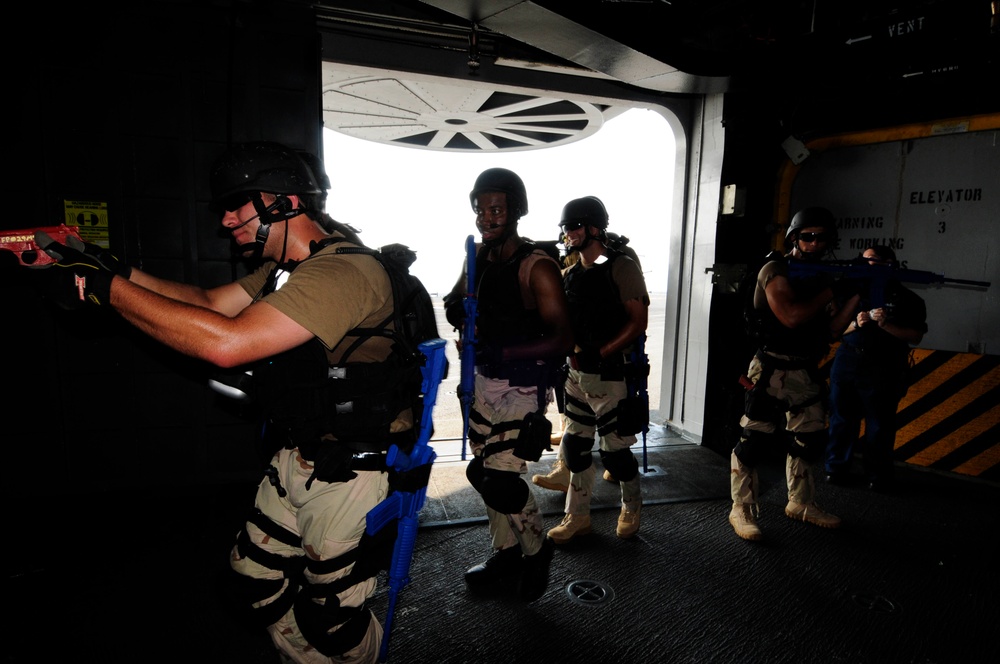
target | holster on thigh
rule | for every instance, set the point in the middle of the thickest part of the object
(754, 445)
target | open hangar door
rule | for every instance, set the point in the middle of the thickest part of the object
(409, 110)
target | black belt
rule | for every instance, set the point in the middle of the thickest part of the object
(368, 461)
(784, 365)
(517, 372)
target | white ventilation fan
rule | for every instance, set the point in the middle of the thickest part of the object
(434, 115)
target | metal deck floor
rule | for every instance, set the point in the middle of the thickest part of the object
(911, 577)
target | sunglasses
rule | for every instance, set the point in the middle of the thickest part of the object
(571, 225)
(814, 237)
(232, 202)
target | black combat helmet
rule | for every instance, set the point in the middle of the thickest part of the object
(506, 182)
(248, 168)
(809, 217)
(588, 210)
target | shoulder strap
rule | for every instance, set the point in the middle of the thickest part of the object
(521, 252)
(363, 333)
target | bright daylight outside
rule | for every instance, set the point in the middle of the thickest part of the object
(420, 198)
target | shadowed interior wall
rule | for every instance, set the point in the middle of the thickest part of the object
(129, 109)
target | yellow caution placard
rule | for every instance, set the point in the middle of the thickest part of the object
(91, 220)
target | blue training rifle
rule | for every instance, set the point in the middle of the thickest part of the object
(874, 276)
(467, 384)
(404, 506)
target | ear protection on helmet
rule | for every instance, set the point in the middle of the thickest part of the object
(280, 210)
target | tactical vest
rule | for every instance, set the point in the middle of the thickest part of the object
(595, 307)
(307, 399)
(503, 320)
(502, 317)
(811, 340)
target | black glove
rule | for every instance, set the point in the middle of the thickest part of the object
(101, 255)
(75, 278)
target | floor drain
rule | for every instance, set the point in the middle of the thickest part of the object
(585, 591)
(874, 603)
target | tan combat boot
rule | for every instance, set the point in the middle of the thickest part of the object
(743, 487)
(801, 494)
(810, 513)
(744, 522)
(556, 480)
(628, 523)
(572, 525)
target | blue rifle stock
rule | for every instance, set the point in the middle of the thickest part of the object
(467, 384)
(639, 385)
(875, 276)
(404, 506)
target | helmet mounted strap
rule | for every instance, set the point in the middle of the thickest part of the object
(282, 209)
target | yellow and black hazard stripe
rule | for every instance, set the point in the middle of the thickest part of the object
(949, 418)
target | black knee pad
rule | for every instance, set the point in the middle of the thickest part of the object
(474, 473)
(754, 445)
(809, 445)
(578, 452)
(504, 491)
(622, 464)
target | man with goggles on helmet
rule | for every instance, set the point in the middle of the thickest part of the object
(303, 565)
(608, 305)
(522, 335)
(798, 319)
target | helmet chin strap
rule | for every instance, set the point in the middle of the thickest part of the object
(255, 249)
(587, 239)
(280, 210)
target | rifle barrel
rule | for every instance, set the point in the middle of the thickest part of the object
(876, 273)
